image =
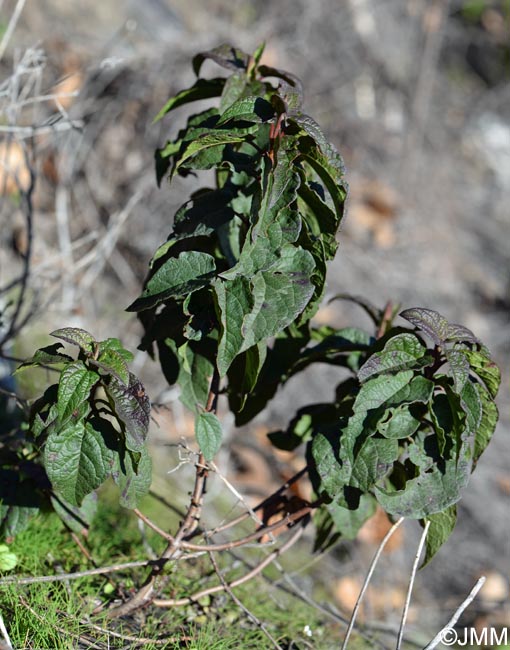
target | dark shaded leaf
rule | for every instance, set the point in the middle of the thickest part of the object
(46, 356)
(201, 89)
(428, 321)
(250, 109)
(440, 529)
(224, 55)
(487, 424)
(132, 407)
(178, 276)
(461, 334)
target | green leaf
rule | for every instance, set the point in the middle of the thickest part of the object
(400, 353)
(380, 390)
(398, 423)
(328, 170)
(113, 363)
(487, 424)
(224, 55)
(206, 142)
(178, 276)
(459, 368)
(372, 462)
(133, 480)
(77, 460)
(235, 301)
(274, 300)
(486, 369)
(348, 522)
(209, 433)
(428, 321)
(440, 529)
(194, 378)
(244, 372)
(325, 452)
(201, 89)
(76, 382)
(46, 356)
(8, 560)
(434, 489)
(115, 344)
(250, 109)
(133, 408)
(76, 336)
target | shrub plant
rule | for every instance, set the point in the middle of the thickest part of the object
(227, 310)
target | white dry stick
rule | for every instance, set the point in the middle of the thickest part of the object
(458, 613)
(4, 632)
(11, 26)
(367, 580)
(411, 583)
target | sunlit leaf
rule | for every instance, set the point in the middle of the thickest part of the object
(209, 433)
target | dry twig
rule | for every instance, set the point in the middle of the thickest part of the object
(367, 580)
(458, 613)
(411, 583)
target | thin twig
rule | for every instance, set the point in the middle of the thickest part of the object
(367, 580)
(14, 580)
(4, 632)
(267, 501)
(11, 26)
(176, 602)
(411, 583)
(136, 639)
(457, 614)
(25, 132)
(149, 589)
(254, 619)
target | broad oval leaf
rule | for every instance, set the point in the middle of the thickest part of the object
(133, 478)
(178, 276)
(251, 109)
(483, 366)
(76, 382)
(76, 336)
(440, 529)
(400, 353)
(434, 489)
(428, 321)
(209, 433)
(77, 461)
